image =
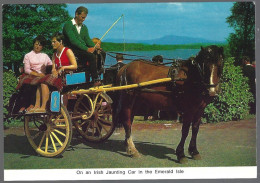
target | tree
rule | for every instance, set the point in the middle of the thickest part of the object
(242, 41)
(23, 22)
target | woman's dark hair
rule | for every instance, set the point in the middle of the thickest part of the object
(59, 36)
(40, 39)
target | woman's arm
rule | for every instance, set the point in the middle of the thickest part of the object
(34, 73)
(27, 67)
(73, 63)
(48, 60)
(53, 70)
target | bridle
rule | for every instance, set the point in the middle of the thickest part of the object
(202, 74)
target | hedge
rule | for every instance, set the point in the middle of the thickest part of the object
(232, 102)
(9, 84)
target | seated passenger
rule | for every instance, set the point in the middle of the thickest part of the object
(63, 59)
(35, 63)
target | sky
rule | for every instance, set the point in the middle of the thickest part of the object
(145, 21)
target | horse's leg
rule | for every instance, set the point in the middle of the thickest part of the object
(195, 129)
(193, 143)
(185, 131)
(130, 147)
(126, 115)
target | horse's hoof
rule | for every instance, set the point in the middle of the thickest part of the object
(196, 157)
(136, 155)
(183, 160)
(133, 154)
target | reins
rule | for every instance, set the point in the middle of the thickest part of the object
(173, 63)
(144, 58)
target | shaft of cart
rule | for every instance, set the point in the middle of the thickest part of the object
(107, 88)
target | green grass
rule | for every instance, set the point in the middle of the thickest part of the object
(250, 116)
(140, 119)
(14, 123)
(137, 119)
(223, 146)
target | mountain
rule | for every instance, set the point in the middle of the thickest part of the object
(166, 40)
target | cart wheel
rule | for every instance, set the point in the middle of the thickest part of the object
(98, 126)
(49, 134)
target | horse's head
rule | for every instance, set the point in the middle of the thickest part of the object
(210, 65)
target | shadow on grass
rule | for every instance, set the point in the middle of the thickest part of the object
(18, 145)
(157, 150)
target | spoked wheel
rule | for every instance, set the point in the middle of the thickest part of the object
(92, 117)
(49, 134)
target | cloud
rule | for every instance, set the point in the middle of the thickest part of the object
(180, 6)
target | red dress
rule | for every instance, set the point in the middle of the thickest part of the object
(63, 59)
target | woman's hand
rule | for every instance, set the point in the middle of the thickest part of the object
(41, 74)
(54, 73)
(34, 73)
(60, 70)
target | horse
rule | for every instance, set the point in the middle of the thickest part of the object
(194, 85)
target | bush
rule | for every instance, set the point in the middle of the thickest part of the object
(9, 85)
(232, 102)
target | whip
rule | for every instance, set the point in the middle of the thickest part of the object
(111, 27)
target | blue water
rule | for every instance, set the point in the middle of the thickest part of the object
(147, 55)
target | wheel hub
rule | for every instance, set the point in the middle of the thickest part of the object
(43, 127)
(94, 117)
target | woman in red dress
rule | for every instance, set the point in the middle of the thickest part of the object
(63, 59)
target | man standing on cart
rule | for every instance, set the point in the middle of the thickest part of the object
(77, 38)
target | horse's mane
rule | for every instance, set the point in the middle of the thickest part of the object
(211, 51)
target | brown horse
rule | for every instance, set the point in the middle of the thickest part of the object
(190, 97)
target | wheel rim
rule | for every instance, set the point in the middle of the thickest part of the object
(99, 126)
(49, 134)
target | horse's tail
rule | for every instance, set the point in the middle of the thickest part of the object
(117, 107)
(121, 76)
(118, 95)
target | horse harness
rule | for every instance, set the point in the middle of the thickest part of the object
(174, 87)
(202, 74)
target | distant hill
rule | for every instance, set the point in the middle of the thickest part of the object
(167, 40)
